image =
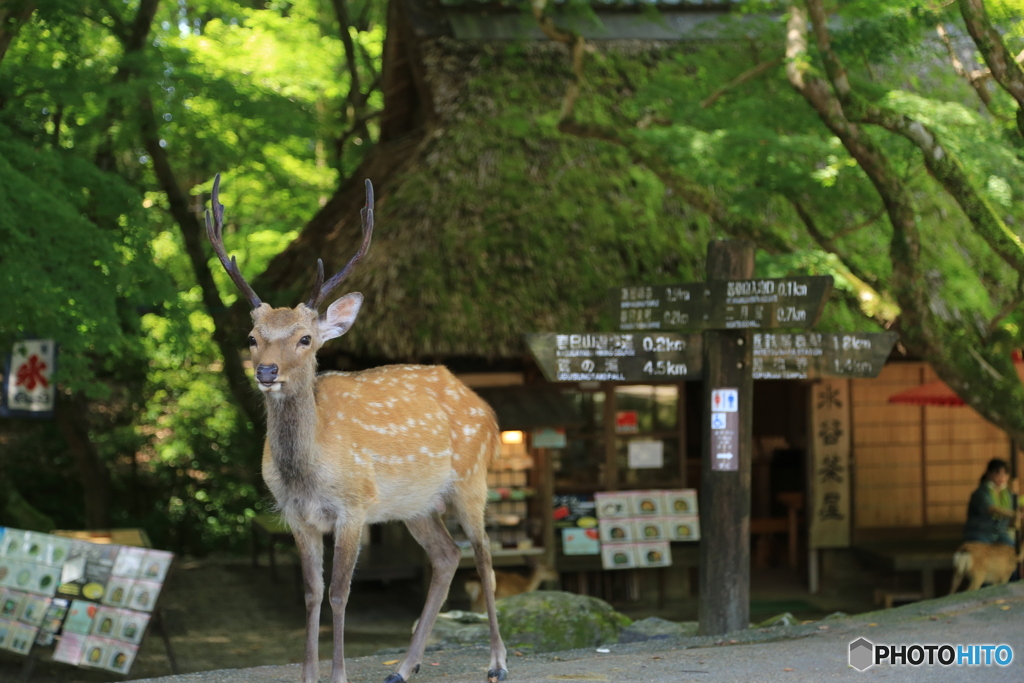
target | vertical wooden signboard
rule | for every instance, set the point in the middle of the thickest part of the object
(829, 517)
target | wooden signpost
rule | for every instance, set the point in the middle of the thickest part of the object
(738, 303)
(617, 357)
(737, 316)
(660, 356)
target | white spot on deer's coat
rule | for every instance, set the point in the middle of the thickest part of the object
(469, 430)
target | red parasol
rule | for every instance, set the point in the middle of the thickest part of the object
(938, 393)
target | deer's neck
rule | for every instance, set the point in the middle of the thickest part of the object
(291, 432)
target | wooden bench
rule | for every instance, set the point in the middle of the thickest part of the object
(922, 555)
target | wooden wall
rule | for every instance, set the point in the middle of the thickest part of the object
(915, 466)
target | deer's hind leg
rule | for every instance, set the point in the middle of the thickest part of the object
(958, 578)
(469, 508)
(430, 532)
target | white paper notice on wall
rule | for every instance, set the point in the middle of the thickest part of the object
(646, 454)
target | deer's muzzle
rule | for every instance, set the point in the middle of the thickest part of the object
(266, 374)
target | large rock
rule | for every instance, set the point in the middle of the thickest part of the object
(655, 628)
(548, 621)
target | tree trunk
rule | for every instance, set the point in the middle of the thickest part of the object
(72, 418)
(12, 18)
(225, 334)
(17, 512)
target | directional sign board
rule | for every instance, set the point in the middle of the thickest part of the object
(658, 356)
(617, 357)
(809, 355)
(792, 302)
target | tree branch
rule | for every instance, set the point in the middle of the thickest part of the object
(132, 43)
(977, 78)
(344, 23)
(577, 46)
(747, 75)
(867, 297)
(845, 232)
(1001, 63)
(905, 246)
(938, 159)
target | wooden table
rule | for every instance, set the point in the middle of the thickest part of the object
(133, 537)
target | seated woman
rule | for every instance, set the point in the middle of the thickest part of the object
(991, 512)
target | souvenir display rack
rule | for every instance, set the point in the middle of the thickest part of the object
(91, 602)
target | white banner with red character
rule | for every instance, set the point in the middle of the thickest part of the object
(28, 379)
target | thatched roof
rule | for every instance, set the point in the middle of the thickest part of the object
(491, 223)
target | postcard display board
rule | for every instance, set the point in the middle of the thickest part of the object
(636, 527)
(94, 599)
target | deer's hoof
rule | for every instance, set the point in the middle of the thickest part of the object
(397, 678)
(497, 675)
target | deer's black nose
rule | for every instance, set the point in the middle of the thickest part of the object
(267, 374)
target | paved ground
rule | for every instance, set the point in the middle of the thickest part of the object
(799, 654)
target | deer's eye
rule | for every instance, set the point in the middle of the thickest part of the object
(306, 341)
(252, 341)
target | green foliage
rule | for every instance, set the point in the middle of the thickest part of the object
(766, 151)
(93, 258)
(77, 266)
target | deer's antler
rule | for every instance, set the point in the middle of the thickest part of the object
(214, 230)
(322, 289)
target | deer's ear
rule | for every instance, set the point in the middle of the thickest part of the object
(340, 315)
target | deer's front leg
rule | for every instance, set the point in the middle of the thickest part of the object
(346, 551)
(311, 551)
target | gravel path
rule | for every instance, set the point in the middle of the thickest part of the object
(797, 654)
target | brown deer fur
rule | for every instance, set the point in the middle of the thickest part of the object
(984, 563)
(344, 449)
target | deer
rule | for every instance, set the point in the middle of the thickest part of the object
(343, 449)
(984, 563)
(507, 584)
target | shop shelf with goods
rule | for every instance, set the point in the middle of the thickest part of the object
(514, 527)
